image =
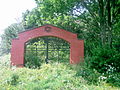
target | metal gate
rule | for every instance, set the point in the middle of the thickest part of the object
(47, 49)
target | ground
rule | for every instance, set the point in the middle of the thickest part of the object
(53, 76)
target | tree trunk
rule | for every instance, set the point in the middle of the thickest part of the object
(102, 22)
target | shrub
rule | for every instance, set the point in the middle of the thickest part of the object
(13, 79)
(114, 79)
(90, 75)
(31, 60)
(105, 60)
(5, 61)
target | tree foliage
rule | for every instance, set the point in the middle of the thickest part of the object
(87, 18)
(9, 33)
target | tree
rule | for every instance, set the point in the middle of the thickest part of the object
(103, 13)
(10, 33)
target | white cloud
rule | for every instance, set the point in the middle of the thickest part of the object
(10, 10)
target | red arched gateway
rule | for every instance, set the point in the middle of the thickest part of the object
(76, 46)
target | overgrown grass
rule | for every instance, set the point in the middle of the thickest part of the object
(51, 76)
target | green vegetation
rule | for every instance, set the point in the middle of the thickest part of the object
(35, 51)
(97, 22)
(52, 76)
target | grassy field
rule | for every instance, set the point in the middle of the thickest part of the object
(53, 76)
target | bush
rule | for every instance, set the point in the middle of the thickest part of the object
(5, 61)
(114, 79)
(90, 75)
(13, 79)
(32, 61)
(105, 60)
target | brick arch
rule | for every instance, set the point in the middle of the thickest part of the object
(18, 44)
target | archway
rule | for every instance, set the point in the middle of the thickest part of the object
(17, 50)
(46, 50)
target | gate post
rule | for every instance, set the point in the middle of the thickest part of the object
(17, 53)
(76, 51)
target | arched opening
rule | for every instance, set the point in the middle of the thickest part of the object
(46, 49)
(18, 44)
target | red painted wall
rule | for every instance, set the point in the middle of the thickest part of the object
(76, 46)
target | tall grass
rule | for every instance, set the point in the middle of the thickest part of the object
(53, 76)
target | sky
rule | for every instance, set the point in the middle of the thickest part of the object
(11, 11)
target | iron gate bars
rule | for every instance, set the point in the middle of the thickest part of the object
(48, 45)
